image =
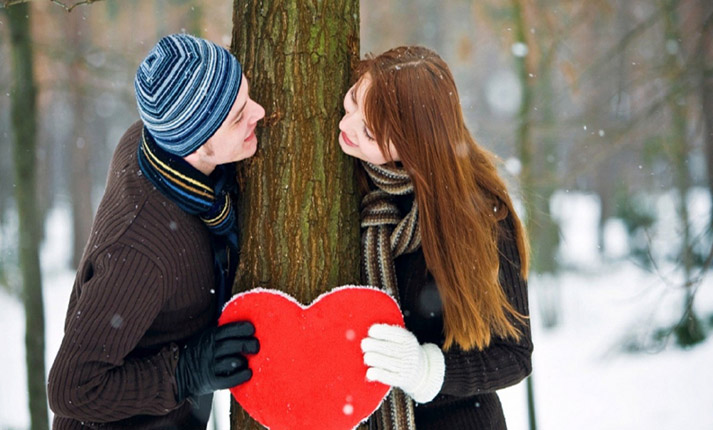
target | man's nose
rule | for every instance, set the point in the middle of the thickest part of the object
(258, 113)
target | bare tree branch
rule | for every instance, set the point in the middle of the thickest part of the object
(623, 43)
(7, 3)
(620, 138)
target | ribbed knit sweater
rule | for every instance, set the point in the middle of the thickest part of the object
(144, 286)
(468, 398)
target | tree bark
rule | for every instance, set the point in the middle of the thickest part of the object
(545, 157)
(80, 149)
(526, 152)
(299, 204)
(24, 123)
(689, 330)
(705, 55)
(525, 145)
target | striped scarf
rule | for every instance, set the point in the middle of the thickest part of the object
(386, 236)
(208, 197)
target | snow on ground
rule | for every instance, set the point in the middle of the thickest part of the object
(581, 377)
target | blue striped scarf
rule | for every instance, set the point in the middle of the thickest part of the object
(209, 197)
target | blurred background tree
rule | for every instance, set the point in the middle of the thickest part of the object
(23, 113)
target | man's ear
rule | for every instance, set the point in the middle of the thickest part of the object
(201, 153)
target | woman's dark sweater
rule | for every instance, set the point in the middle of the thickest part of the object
(467, 399)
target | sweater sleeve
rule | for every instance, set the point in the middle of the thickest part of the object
(506, 361)
(94, 377)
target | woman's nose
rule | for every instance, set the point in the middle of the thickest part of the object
(346, 104)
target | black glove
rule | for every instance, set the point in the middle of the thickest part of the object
(214, 360)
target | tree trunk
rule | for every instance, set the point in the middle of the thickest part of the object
(24, 124)
(299, 206)
(546, 157)
(609, 183)
(705, 56)
(689, 331)
(525, 146)
(542, 228)
(429, 32)
(526, 152)
(195, 19)
(80, 147)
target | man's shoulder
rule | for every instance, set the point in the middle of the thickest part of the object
(130, 139)
(124, 179)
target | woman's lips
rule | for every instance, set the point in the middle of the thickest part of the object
(347, 141)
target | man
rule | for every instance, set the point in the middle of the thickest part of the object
(141, 348)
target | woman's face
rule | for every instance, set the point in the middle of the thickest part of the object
(355, 137)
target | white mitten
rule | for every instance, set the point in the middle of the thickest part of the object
(395, 358)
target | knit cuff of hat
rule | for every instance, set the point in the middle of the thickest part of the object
(431, 384)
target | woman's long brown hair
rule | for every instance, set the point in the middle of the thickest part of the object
(412, 102)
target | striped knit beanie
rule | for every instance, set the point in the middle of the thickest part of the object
(185, 88)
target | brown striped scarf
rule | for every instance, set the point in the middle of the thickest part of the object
(386, 236)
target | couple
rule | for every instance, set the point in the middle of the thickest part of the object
(141, 348)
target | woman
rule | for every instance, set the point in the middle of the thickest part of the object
(441, 235)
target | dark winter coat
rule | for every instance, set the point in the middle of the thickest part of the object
(144, 286)
(468, 398)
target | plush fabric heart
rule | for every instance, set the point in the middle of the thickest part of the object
(309, 373)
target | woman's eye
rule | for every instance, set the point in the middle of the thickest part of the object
(367, 134)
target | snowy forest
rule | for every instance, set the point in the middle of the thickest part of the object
(600, 114)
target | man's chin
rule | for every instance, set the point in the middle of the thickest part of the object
(251, 149)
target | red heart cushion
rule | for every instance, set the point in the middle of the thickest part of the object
(309, 373)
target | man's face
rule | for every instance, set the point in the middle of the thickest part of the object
(235, 139)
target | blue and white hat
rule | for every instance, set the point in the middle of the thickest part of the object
(185, 88)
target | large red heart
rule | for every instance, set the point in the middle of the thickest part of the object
(309, 373)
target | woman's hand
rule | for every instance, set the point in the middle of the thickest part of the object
(395, 358)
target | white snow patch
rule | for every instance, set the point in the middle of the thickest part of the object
(581, 379)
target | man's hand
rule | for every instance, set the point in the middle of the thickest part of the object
(215, 360)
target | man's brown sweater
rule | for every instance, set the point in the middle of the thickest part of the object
(144, 286)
